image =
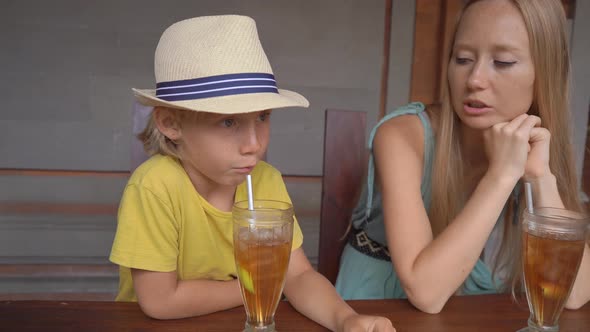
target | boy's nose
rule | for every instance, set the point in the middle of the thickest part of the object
(250, 141)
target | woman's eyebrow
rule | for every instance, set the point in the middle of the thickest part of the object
(500, 47)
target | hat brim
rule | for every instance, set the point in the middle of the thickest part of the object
(233, 104)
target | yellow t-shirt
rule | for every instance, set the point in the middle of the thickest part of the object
(165, 225)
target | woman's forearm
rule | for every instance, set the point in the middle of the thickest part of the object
(443, 264)
(580, 294)
(544, 191)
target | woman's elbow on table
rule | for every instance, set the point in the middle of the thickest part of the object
(574, 302)
(425, 301)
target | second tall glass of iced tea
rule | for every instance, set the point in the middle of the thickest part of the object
(262, 248)
(553, 242)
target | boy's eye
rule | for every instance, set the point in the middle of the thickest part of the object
(263, 116)
(229, 122)
(504, 63)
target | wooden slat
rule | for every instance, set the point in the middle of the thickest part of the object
(86, 296)
(302, 178)
(57, 208)
(61, 172)
(570, 8)
(426, 67)
(450, 15)
(58, 270)
(586, 166)
(385, 60)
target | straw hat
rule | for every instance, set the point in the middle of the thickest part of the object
(215, 64)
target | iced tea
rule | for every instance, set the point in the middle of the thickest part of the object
(553, 242)
(263, 238)
(550, 268)
(262, 267)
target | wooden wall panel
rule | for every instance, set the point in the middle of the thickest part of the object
(427, 50)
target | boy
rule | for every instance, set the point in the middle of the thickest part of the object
(208, 130)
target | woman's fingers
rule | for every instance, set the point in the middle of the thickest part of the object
(508, 144)
(539, 134)
(514, 124)
(525, 128)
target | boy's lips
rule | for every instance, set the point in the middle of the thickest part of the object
(244, 169)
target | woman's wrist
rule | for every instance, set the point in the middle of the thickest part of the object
(542, 177)
(544, 190)
(499, 180)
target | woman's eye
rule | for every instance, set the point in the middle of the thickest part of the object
(229, 123)
(504, 63)
(461, 61)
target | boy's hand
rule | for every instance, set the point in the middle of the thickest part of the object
(364, 323)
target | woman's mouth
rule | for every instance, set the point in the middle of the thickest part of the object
(475, 107)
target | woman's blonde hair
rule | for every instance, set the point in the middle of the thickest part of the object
(546, 25)
(155, 142)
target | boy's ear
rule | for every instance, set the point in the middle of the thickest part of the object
(167, 122)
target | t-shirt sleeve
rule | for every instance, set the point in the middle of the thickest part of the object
(147, 232)
(297, 236)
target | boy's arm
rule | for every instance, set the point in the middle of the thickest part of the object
(315, 297)
(162, 296)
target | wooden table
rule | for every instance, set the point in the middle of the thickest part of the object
(461, 314)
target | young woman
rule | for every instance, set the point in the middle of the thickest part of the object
(442, 218)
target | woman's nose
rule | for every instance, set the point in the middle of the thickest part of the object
(478, 77)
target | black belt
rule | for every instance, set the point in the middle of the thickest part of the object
(360, 241)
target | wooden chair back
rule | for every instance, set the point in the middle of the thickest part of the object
(345, 159)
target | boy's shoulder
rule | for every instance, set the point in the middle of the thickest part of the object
(264, 174)
(158, 169)
(264, 167)
(267, 172)
(267, 183)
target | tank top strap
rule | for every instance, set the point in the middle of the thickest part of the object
(415, 108)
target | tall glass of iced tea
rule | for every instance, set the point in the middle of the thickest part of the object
(262, 247)
(553, 243)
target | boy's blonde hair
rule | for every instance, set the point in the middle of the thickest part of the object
(155, 142)
(546, 26)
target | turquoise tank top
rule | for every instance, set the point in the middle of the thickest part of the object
(368, 214)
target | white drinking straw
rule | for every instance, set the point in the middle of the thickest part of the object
(250, 195)
(528, 195)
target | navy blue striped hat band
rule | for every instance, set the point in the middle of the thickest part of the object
(216, 86)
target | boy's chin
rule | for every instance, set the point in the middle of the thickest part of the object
(235, 180)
